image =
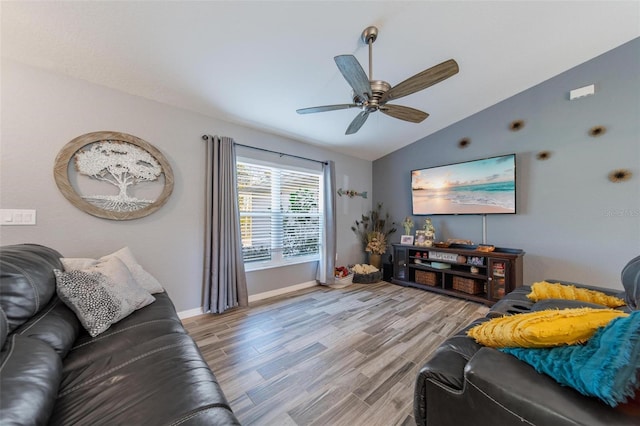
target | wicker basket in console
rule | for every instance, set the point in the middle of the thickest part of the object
(426, 277)
(467, 285)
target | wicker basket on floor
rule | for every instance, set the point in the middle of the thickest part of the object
(369, 278)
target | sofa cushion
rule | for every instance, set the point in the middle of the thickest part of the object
(547, 304)
(55, 325)
(27, 282)
(155, 320)
(545, 290)
(606, 366)
(30, 372)
(159, 381)
(543, 329)
(98, 301)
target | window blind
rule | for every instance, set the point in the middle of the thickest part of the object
(280, 220)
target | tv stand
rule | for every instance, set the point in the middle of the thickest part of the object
(459, 270)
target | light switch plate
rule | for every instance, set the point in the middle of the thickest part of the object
(17, 217)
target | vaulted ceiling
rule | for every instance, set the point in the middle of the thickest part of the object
(255, 63)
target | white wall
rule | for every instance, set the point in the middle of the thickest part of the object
(42, 111)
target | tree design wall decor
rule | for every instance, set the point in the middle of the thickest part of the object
(123, 162)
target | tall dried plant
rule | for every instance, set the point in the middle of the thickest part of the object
(373, 221)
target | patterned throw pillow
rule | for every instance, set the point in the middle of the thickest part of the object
(95, 299)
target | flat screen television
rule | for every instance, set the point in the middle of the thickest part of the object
(486, 186)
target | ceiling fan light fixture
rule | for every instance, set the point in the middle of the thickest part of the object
(372, 95)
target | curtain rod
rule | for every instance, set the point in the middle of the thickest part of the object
(206, 138)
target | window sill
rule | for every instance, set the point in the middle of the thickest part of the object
(260, 266)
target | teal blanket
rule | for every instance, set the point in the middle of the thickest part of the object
(606, 366)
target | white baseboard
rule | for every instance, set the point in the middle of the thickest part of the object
(190, 313)
(253, 298)
(279, 291)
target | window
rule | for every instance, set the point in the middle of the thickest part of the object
(280, 219)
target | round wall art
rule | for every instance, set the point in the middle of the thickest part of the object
(113, 175)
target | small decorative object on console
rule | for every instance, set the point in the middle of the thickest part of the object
(439, 255)
(421, 238)
(459, 241)
(477, 261)
(440, 265)
(406, 239)
(485, 248)
(407, 225)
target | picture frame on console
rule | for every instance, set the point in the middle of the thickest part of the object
(406, 240)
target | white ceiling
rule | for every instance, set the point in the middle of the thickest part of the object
(255, 63)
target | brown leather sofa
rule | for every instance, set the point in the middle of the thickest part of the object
(143, 370)
(464, 383)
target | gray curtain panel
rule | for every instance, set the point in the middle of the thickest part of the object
(327, 261)
(225, 283)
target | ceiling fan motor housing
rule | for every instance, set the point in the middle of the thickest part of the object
(378, 88)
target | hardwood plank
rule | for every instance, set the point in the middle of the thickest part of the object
(322, 356)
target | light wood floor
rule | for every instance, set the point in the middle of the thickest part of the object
(325, 356)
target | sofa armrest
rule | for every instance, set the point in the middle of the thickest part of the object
(514, 389)
(445, 367)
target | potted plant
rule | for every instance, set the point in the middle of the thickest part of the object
(373, 231)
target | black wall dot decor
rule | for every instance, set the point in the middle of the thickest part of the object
(620, 175)
(516, 125)
(464, 142)
(543, 155)
(596, 131)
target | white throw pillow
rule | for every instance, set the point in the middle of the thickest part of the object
(140, 276)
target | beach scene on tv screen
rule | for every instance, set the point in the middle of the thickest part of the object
(474, 187)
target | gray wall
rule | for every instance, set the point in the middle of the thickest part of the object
(572, 222)
(42, 111)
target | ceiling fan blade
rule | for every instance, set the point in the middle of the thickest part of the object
(354, 74)
(325, 108)
(404, 113)
(357, 123)
(422, 80)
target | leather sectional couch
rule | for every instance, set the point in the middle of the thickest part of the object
(143, 370)
(464, 383)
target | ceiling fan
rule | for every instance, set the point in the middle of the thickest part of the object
(372, 95)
